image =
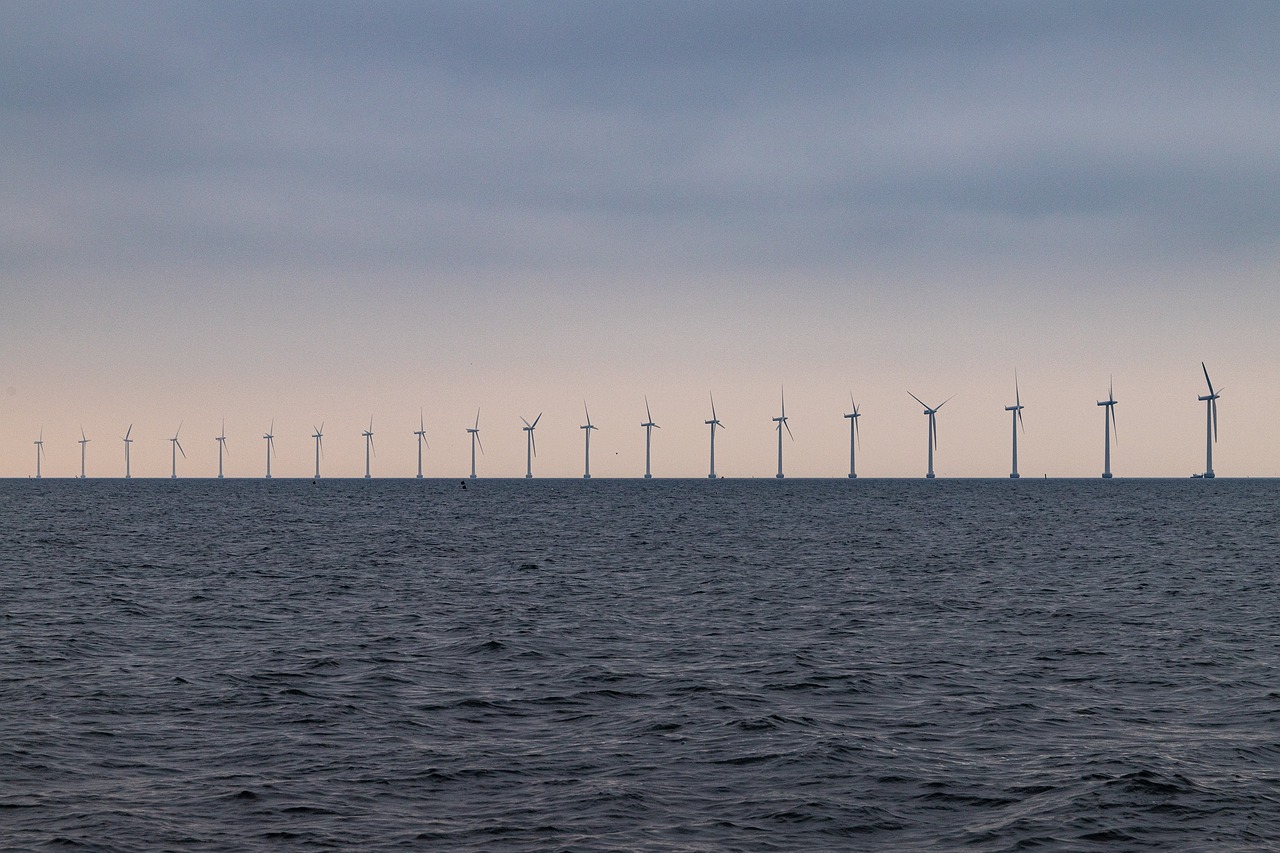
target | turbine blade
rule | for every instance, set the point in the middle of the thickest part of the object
(944, 402)
(648, 415)
(1021, 422)
(586, 412)
(479, 442)
(784, 423)
(857, 432)
(421, 420)
(713, 406)
(126, 432)
(373, 446)
(535, 420)
(526, 423)
(1214, 404)
(477, 418)
(180, 450)
(784, 405)
(1017, 395)
(1115, 428)
(533, 442)
(917, 399)
(1206, 377)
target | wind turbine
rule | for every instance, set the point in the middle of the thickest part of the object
(1016, 408)
(368, 447)
(530, 446)
(933, 428)
(781, 421)
(83, 442)
(649, 427)
(1108, 421)
(318, 435)
(713, 423)
(271, 445)
(128, 442)
(421, 433)
(39, 443)
(853, 435)
(1210, 422)
(175, 449)
(587, 427)
(475, 439)
(222, 445)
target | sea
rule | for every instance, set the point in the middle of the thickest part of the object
(664, 665)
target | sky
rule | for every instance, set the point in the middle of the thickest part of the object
(306, 213)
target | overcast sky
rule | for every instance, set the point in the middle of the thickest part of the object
(315, 212)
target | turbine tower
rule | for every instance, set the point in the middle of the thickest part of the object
(854, 435)
(1016, 408)
(128, 442)
(83, 442)
(39, 443)
(421, 433)
(530, 446)
(1108, 421)
(222, 445)
(649, 427)
(932, 412)
(781, 421)
(1210, 422)
(475, 439)
(587, 428)
(368, 447)
(271, 445)
(318, 435)
(714, 423)
(176, 448)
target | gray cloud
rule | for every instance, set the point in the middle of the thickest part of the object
(561, 136)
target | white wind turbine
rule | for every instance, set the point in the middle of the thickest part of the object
(128, 444)
(1108, 421)
(39, 443)
(421, 433)
(318, 435)
(530, 446)
(271, 445)
(587, 428)
(1210, 422)
(475, 439)
(176, 448)
(854, 435)
(649, 427)
(83, 441)
(781, 421)
(222, 445)
(1016, 408)
(933, 427)
(368, 447)
(714, 423)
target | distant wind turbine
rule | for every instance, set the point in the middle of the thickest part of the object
(83, 441)
(368, 447)
(1210, 422)
(475, 439)
(318, 435)
(222, 445)
(649, 427)
(932, 412)
(714, 423)
(1108, 421)
(39, 443)
(530, 446)
(176, 448)
(128, 442)
(1016, 408)
(781, 421)
(587, 428)
(271, 445)
(854, 435)
(421, 433)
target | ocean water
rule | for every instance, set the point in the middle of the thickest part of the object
(632, 665)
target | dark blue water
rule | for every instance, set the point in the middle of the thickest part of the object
(662, 665)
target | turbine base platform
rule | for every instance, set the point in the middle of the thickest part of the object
(853, 476)
(929, 476)
(528, 476)
(648, 476)
(1209, 475)
(1015, 476)
(778, 476)
(419, 476)
(711, 477)
(1106, 476)
(472, 477)
(586, 476)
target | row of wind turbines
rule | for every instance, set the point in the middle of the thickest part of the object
(649, 425)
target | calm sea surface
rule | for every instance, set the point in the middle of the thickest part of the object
(632, 665)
